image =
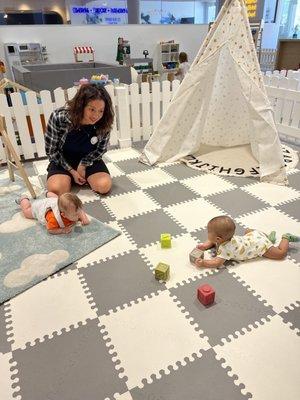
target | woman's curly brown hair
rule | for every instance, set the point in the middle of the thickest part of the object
(84, 95)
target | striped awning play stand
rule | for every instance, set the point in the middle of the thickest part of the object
(80, 51)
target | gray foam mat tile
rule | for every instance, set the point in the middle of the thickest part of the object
(234, 308)
(241, 181)
(146, 228)
(181, 171)
(122, 280)
(291, 316)
(5, 346)
(292, 209)
(132, 165)
(120, 185)
(236, 202)
(204, 378)
(98, 211)
(74, 365)
(171, 193)
(294, 252)
(294, 180)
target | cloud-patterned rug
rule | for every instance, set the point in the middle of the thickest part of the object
(28, 254)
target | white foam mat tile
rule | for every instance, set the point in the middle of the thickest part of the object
(129, 204)
(193, 214)
(114, 170)
(266, 360)
(124, 396)
(41, 166)
(151, 178)
(181, 270)
(37, 186)
(207, 184)
(65, 301)
(276, 281)
(122, 154)
(268, 220)
(4, 174)
(118, 246)
(151, 350)
(272, 194)
(86, 195)
(6, 391)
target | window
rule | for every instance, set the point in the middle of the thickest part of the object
(30, 18)
(108, 12)
(290, 19)
(177, 12)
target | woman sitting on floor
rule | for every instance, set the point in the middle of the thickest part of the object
(76, 138)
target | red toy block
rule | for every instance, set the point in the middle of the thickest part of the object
(206, 294)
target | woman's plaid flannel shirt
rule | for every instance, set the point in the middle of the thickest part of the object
(58, 127)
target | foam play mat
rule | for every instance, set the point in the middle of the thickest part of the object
(105, 328)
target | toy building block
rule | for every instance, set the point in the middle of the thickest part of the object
(162, 271)
(206, 294)
(165, 240)
(195, 254)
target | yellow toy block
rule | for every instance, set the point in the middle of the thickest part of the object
(162, 271)
(165, 241)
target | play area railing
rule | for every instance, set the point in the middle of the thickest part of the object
(284, 73)
(138, 109)
(267, 59)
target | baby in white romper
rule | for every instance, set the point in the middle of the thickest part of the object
(220, 232)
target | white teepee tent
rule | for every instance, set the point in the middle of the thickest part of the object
(222, 101)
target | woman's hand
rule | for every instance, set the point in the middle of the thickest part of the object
(77, 177)
(81, 170)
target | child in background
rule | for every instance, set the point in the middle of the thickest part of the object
(183, 66)
(220, 232)
(58, 213)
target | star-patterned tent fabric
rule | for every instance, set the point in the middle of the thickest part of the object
(222, 101)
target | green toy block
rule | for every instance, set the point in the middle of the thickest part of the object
(165, 240)
(162, 271)
(195, 254)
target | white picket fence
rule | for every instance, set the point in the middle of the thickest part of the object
(137, 112)
(284, 95)
(267, 59)
(284, 73)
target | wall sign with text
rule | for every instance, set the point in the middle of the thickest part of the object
(255, 9)
(95, 13)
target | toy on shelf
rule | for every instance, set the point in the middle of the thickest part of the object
(195, 254)
(162, 271)
(168, 56)
(206, 294)
(81, 51)
(165, 241)
(83, 81)
(99, 79)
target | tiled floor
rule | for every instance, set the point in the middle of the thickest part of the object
(104, 328)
